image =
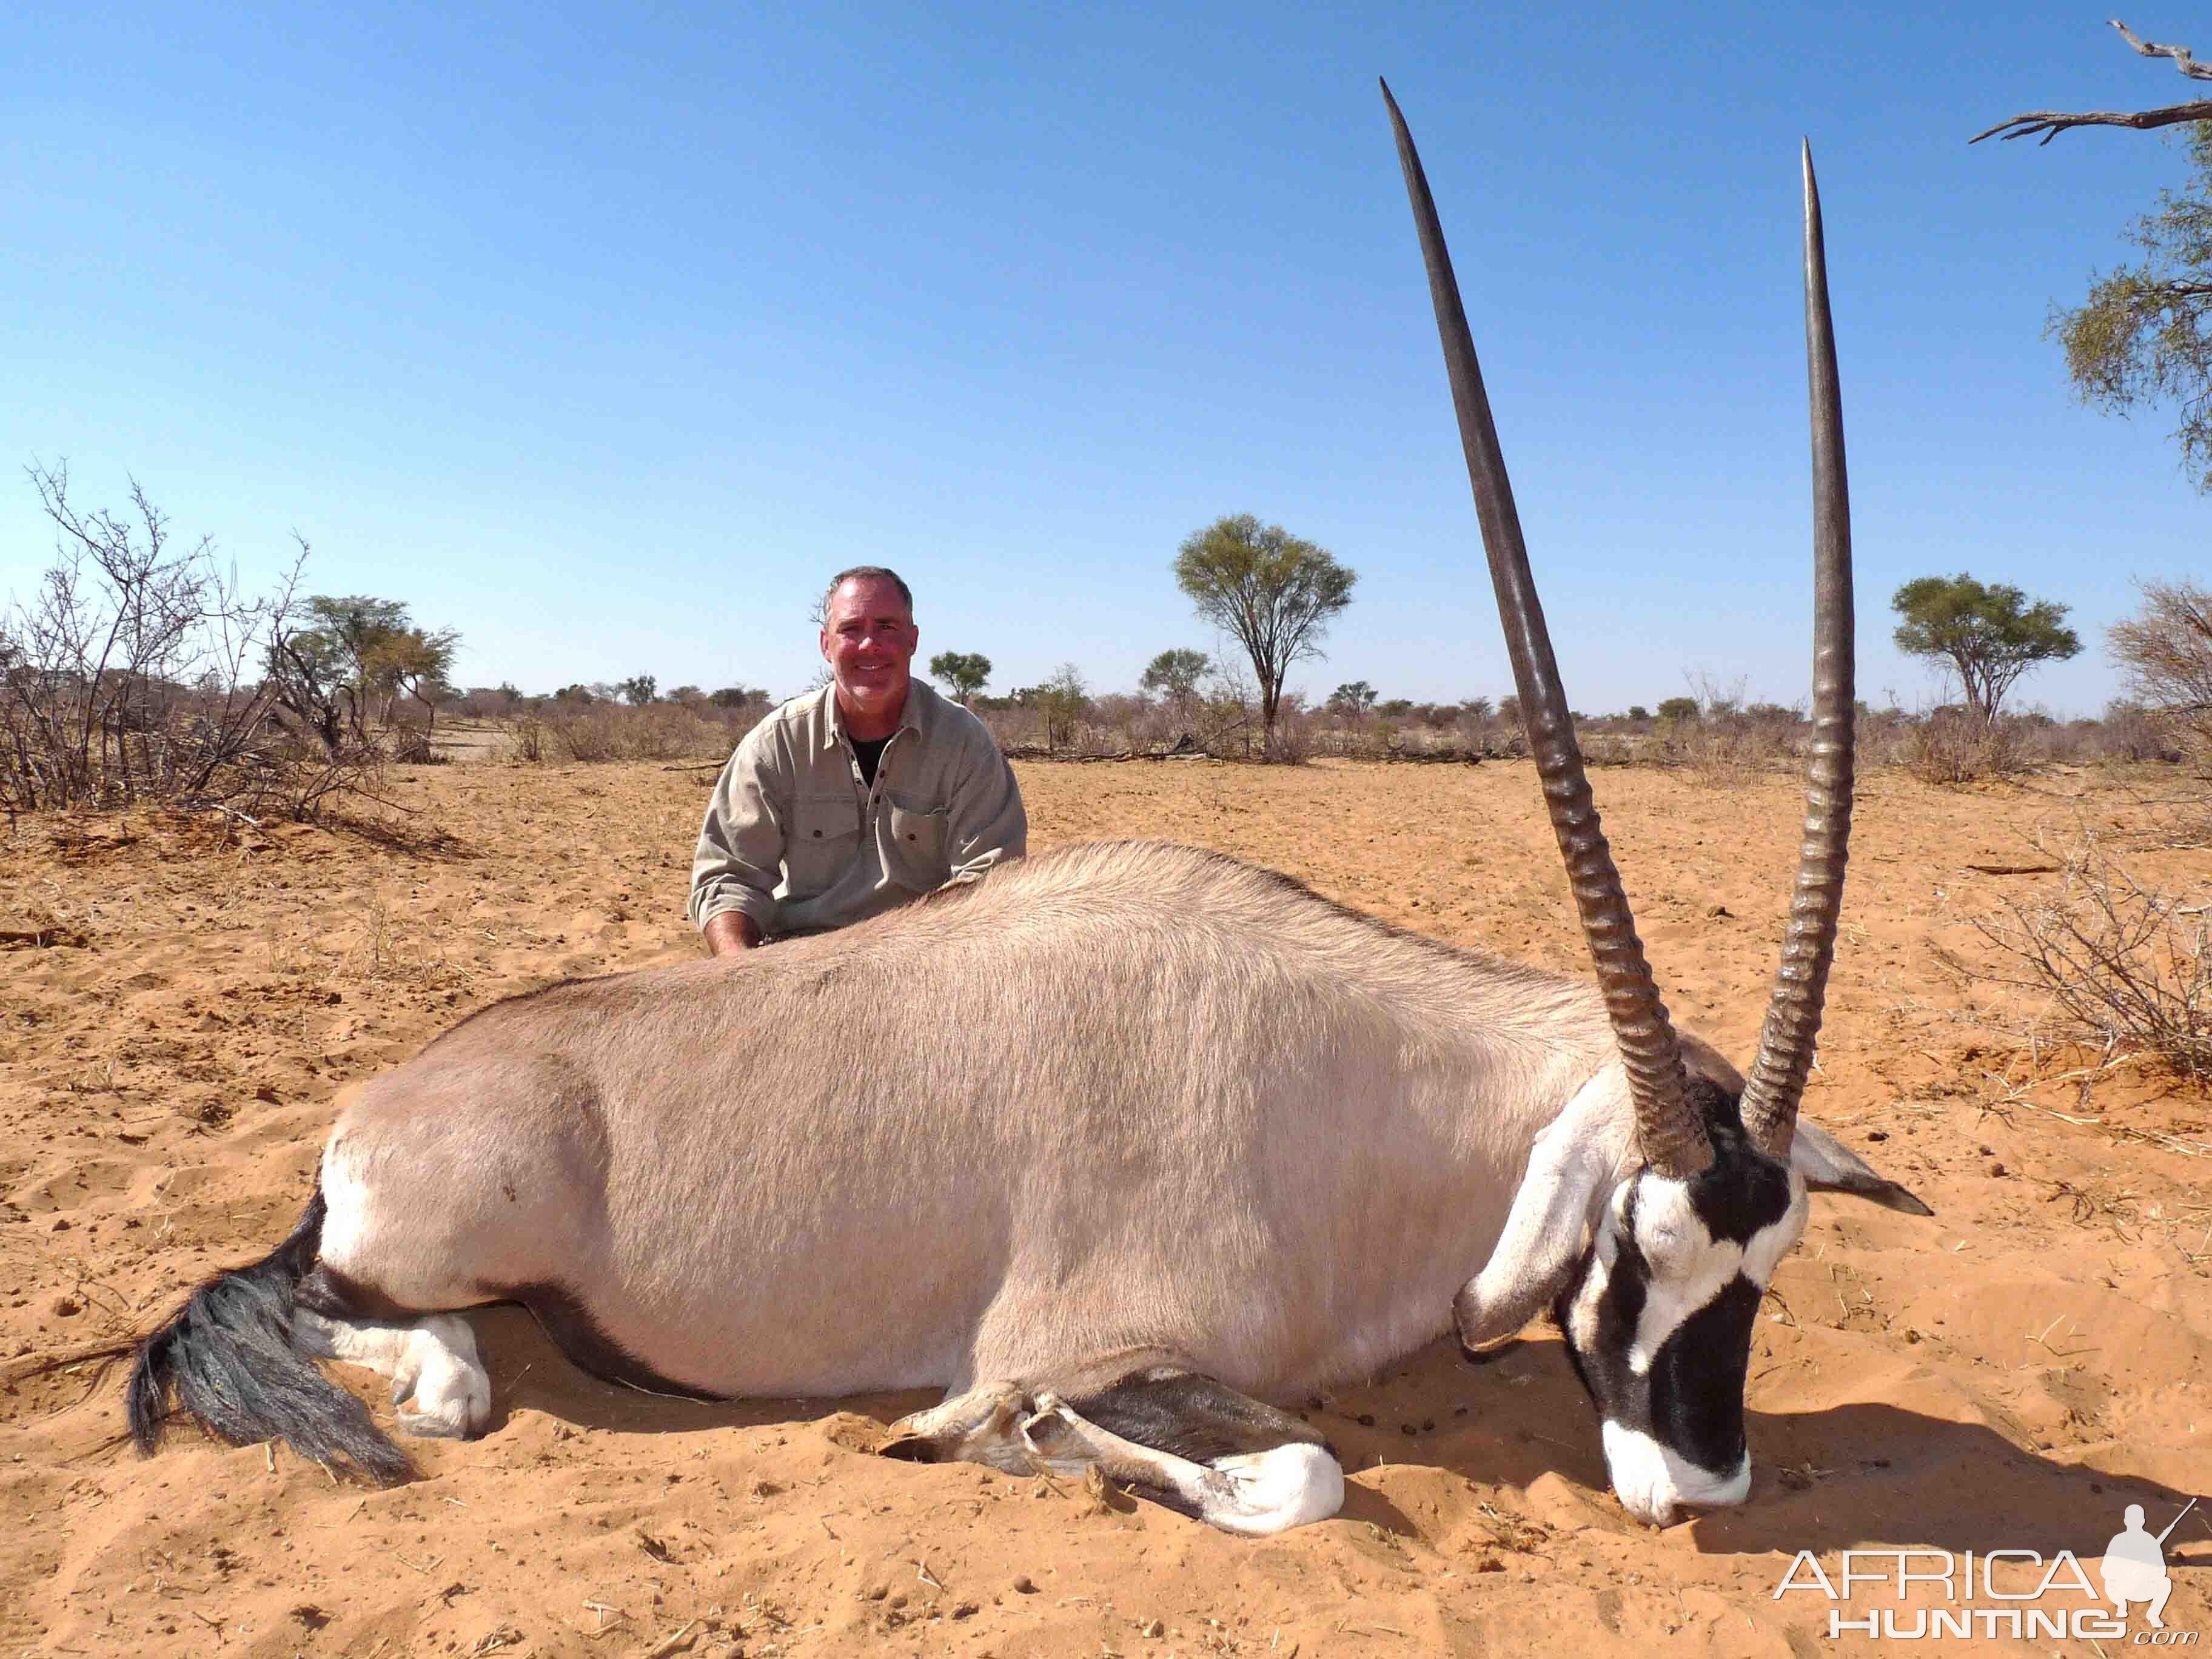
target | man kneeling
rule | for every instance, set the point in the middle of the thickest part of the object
(856, 798)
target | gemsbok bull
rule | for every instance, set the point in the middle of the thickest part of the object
(1111, 1147)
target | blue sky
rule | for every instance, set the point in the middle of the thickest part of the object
(605, 338)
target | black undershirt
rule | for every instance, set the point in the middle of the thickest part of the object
(868, 754)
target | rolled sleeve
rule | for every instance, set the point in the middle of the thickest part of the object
(740, 859)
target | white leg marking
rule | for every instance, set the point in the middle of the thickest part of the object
(1253, 1493)
(433, 1359)
(1288, 1487)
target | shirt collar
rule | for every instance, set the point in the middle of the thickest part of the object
(910, 717)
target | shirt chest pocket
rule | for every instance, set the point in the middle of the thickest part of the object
(917, 846)
(825, 834)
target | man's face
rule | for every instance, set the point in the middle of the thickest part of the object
(868, 639)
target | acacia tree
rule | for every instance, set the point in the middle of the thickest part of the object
(966, 671)
(356, 651)
(2144, 336)
(1174, 675)
(1354, 698)
(1988, 635)
(1061, 700)
(2166, 649)
(1271, 592)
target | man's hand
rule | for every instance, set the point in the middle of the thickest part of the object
(728, 931)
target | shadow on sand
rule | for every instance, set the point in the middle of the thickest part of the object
(1864, 1475)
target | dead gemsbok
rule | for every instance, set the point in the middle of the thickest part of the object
(1111, 1147)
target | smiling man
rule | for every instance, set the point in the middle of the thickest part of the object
(856, 798)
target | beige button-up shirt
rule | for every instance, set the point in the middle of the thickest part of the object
(795, 839)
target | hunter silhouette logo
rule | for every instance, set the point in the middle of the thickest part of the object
(1918, 1593)
(2135, 1565)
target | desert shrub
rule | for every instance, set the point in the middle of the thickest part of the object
(1610, 748)
(1722, 748)
(2124, 965)
(2130, 731)
(1120, 722)
(1012, 728)
(669, 732)
(134, 677)
(412, 746)
(1956, 745)
(487, 703)
(526, 738)
(587, 734)
(2166, 648)
(1884, 737)
(1720, 740)
(1229, 714)
(1291, 743)
(1481, 731)
(572, 729)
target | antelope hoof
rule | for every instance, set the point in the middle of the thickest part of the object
(451, 1402)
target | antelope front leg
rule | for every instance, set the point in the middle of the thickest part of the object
(1165, 1432)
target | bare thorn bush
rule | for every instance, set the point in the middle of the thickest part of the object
(2124, 964)
(600, 730)
(1726, 744)
(130, 677)
(525, 739)
(2166, 649)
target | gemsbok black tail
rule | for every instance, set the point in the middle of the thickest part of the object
(226, 1361)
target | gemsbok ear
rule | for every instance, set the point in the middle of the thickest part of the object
(1829, 1166)
(1566, 1180)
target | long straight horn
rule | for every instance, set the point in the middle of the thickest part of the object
(1670, 1136)
(1793, 1017)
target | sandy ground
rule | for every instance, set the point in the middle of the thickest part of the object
(179, 1000)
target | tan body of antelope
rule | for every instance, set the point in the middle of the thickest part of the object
(1113, 1147)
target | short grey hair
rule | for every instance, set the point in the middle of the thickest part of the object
(864, 573)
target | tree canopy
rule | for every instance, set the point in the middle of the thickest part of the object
(1988, 635)
(1175, 675)
(1353, 697)
(2142, 339)
(1271, 592)
(966, 671)
(1061, 700)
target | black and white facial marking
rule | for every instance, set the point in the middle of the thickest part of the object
(1659, 1319)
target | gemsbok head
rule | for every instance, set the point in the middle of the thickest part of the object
(1658, 1310)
